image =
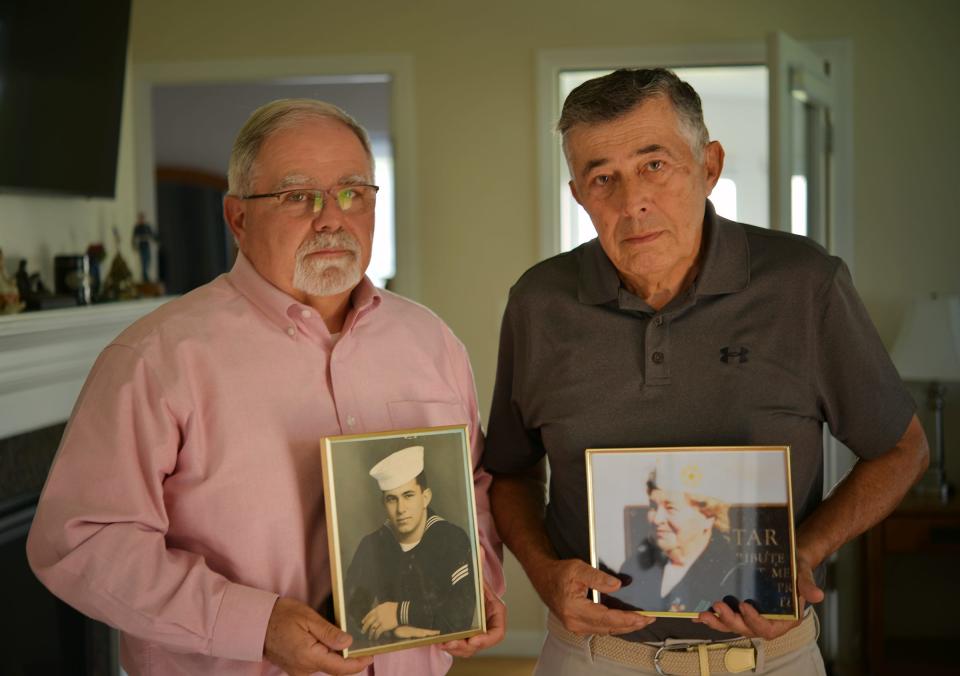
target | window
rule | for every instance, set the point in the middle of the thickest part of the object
(383, 258)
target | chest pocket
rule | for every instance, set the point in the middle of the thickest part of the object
(411, 414)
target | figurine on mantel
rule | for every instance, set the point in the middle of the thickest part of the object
(119, 284)
(144, 237)
(9, 294)
(35, 294)
(95, 254)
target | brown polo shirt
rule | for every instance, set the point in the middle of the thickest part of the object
(769, 343)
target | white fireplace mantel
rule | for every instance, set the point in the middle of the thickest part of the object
(45, 357)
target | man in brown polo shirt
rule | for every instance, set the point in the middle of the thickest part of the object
(678, 327)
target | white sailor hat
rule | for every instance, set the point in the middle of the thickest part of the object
(729, 476)
(398, 468)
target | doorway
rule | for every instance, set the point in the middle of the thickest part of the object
(392, 69)
(194, 126)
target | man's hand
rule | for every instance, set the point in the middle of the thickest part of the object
(748, 622)
(518, 503)
(381, 619)
(496, 613)
(563, 585)
(301, 642)
(861, 500)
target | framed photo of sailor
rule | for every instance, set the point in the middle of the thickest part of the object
(402, 530)
(685, 527)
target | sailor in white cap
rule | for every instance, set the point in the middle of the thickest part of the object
(406, 505)
(413, 576)
(686, 564)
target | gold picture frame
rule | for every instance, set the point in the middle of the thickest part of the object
(686, 526)
(400, 529)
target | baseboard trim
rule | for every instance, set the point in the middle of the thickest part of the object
(517, 644)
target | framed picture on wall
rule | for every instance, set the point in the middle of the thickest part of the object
(402, 529)
(686, 527)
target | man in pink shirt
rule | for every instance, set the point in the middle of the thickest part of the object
(185, 504)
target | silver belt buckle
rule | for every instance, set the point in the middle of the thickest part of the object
(672, 647)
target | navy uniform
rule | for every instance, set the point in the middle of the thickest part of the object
(433, 584)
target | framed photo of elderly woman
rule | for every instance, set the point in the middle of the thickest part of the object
(402, 531)
(686, 527)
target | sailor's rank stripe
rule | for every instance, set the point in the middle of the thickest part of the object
(459, 574)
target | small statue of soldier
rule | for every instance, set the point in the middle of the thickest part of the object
(144, 237)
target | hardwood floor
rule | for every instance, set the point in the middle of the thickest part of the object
(498, 666)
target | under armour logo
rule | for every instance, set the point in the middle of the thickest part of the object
(726, 354)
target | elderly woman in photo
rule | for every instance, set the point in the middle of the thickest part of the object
(687, 562)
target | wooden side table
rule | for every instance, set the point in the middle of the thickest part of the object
(916, 527)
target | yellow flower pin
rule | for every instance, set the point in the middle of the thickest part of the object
(690, 476)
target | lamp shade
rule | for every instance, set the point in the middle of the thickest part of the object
(928, 347)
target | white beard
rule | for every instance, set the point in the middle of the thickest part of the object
(321, 276)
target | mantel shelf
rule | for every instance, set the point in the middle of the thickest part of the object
(45, 357)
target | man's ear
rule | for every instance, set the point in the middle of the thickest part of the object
(235, 214)
(427, 497)
(713, 156)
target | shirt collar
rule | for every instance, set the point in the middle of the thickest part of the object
(599, 282)
(725, 264)
(726, 260)
(278, 307)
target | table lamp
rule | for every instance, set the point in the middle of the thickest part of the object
(928, 350)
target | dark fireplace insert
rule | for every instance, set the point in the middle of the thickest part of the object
(41, 635)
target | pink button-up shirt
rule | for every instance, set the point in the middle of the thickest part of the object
(187, 492)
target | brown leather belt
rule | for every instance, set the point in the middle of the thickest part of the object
(693, 658)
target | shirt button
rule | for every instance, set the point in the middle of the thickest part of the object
(304, 313)
(291, 331)
(658, 320)
(351, 421)
(657, 357)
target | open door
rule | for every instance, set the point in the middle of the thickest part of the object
(802, 97)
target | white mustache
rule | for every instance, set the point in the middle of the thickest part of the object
(330, 240)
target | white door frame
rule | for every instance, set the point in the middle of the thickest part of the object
(402, 127)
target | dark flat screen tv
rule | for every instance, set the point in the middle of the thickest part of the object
(62, 67)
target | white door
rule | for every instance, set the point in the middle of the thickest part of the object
(802, 97)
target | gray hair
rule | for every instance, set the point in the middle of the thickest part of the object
(273, 117)
(606, 98)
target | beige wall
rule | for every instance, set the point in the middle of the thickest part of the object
(475, 91)
(475, 101)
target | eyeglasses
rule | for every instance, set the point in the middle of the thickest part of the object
(354, 199)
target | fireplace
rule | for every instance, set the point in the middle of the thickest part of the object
(44, 359)
(41, 634)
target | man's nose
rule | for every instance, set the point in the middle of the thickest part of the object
(635, 194)
(330, 217)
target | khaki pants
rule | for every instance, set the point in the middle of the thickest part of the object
(559, 658)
